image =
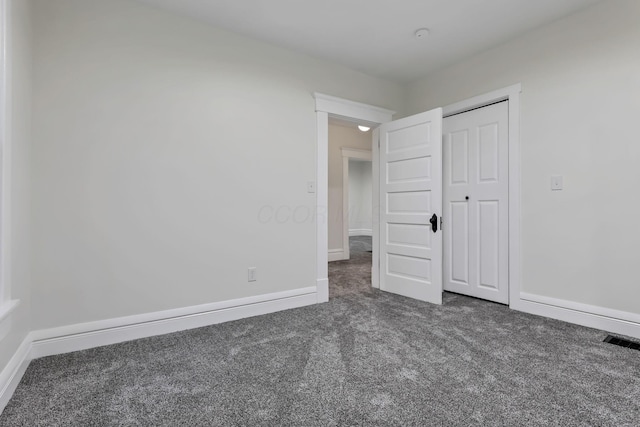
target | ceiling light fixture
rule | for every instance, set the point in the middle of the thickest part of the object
(363, 128)
(422, 33)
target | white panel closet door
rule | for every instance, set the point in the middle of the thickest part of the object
(476, 208)
(410, 196)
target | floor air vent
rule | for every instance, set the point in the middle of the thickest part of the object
(622, 342)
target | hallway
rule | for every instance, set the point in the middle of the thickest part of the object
(352, 277)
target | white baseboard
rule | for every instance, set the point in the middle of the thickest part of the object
(361, 232)
(96, 334)
(337, 255)
(605, 319)
(12, 373)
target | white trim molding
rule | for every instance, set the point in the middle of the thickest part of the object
(83, 336)
(601, 318)
(507, 93)
(356, 153)
(322, 207)
(360, 232)
(13, 372)
(322, 286)
(350, 110)
(331, 106)
(337, 255)
(375, 217)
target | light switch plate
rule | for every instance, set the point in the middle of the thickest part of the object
(556, 182)
(311, 187)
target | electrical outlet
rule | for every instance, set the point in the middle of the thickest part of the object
(556, 182)
(253, 274)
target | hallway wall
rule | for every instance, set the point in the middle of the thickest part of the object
(340, 136)
(360, 198)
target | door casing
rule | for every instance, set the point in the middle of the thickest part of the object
(356, 112)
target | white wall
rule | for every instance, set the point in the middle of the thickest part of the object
(339, 137)
(169, 157)
(580, 106)
(16, 169)
(360, 198)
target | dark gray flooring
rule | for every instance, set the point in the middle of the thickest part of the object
(365, 358)
(352, 277)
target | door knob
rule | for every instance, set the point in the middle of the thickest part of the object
(434, 223)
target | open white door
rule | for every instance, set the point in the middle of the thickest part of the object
(411, 206)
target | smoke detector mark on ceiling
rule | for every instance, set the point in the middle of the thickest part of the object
(422, 33)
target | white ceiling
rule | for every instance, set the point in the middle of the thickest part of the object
(376, 36)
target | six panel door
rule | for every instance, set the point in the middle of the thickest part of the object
(410, 194)
(476, 190)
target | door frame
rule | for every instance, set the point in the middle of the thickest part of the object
(511, 94)
(348, 154)
(331, 106)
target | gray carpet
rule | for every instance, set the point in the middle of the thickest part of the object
(352, 277)
(365, 358)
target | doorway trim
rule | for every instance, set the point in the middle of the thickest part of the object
(331, 106)
(511, 94)
(348, 154)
